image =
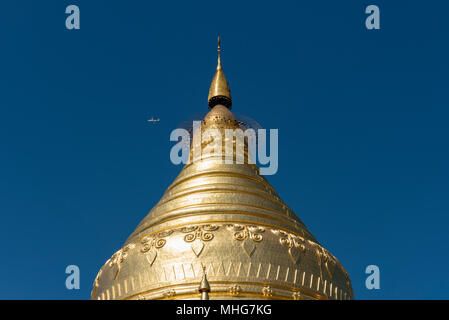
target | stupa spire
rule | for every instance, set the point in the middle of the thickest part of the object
(204, 288)
(219, 92)
(219, 53)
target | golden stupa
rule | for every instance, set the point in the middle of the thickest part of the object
(221, 231)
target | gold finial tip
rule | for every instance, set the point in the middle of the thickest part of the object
(219, 92)
(218, 53)
(204, 284)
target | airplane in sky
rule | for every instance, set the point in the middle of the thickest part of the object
(153, 120)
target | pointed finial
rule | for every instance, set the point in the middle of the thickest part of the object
(219, 92)
(204, 288)
(219, 52)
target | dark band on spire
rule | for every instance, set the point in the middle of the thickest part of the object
(223, 100)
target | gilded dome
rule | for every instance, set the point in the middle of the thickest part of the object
(227, 222)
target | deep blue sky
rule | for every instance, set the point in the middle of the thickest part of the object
(362, 118)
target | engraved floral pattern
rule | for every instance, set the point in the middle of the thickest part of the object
(290, 240)
(156, 241)
(119, 257)
(325, 259)
(169, 293)
(243, 232)
(198, 232)
(294, 243)
(235, 290)
(249, 235)
(152, 242)
(267, 291)
(197, 235)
